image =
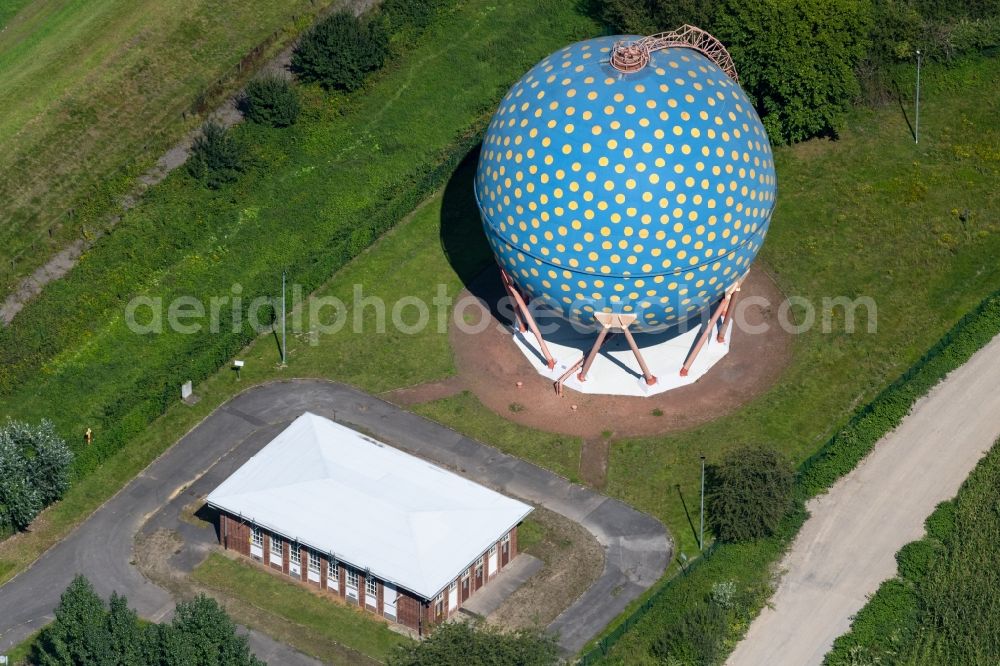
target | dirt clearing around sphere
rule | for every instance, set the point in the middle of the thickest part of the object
(490, 365)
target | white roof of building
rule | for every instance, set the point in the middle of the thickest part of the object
(371, 505)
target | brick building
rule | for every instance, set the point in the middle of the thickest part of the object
(366, 522)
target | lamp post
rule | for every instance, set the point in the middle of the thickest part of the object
(284, 347)
(701, 533)
(916, 124)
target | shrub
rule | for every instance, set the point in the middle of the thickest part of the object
(695, 639)
(460, 643)
(398, 15)
(340, 50)
(34, 471)
(216, 158)
(915, 559)
(646, 17)
(85, 631)
(750, 492)
(271, 100)
(879, 629)
(797, 59)
(941, 523)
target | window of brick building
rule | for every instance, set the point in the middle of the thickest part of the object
(313, 562)
(479, 567)
(333, 574)
(371, 586)
(276, 545)
(295, 555)
(352, 579)
(256, 537)
(439, 604)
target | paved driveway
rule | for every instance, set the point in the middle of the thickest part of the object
(636, 546)
(847, 546)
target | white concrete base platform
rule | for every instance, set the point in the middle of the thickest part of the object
(615, 370)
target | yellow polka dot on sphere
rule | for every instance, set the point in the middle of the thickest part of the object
(682, 162)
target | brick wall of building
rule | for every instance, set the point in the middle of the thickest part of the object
(413, 612)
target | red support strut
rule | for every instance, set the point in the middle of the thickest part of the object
(703, 338)
(523, 316)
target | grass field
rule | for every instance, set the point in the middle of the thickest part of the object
(324, 619)
(69, 355)
(942, 608)
(94, 90)
(871, 214)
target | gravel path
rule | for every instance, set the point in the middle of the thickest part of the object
(847, 547)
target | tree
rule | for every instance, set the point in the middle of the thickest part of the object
(750, 492)
(797, 60)
(85, 633)
(458, 644)
(271, 100)
(211, 634)
(216, 158)
(79, 633)
(34, 471)
(340, 50)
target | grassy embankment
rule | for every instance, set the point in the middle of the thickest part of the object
(93, 91)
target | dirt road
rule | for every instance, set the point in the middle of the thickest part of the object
(847, 547)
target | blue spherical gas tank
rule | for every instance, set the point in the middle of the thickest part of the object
(647, 193)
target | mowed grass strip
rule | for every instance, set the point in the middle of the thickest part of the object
(93, 91)
(324, 617)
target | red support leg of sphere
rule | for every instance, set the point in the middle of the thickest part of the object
(703, 338)
(524, 315)
(730, 309)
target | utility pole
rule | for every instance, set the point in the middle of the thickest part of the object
(701, 533)
(916, 124)
(284, 347)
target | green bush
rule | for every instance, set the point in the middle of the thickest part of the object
(271, 100)
(796, 60)
(86, 632)
(461, 643)
(915, 559)
(34, 472)
(695, 639)
(403, 15)
(340, 50)
(749, 494)
(879, 629)
(940, 524)
(647, 17)
(216, 158)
